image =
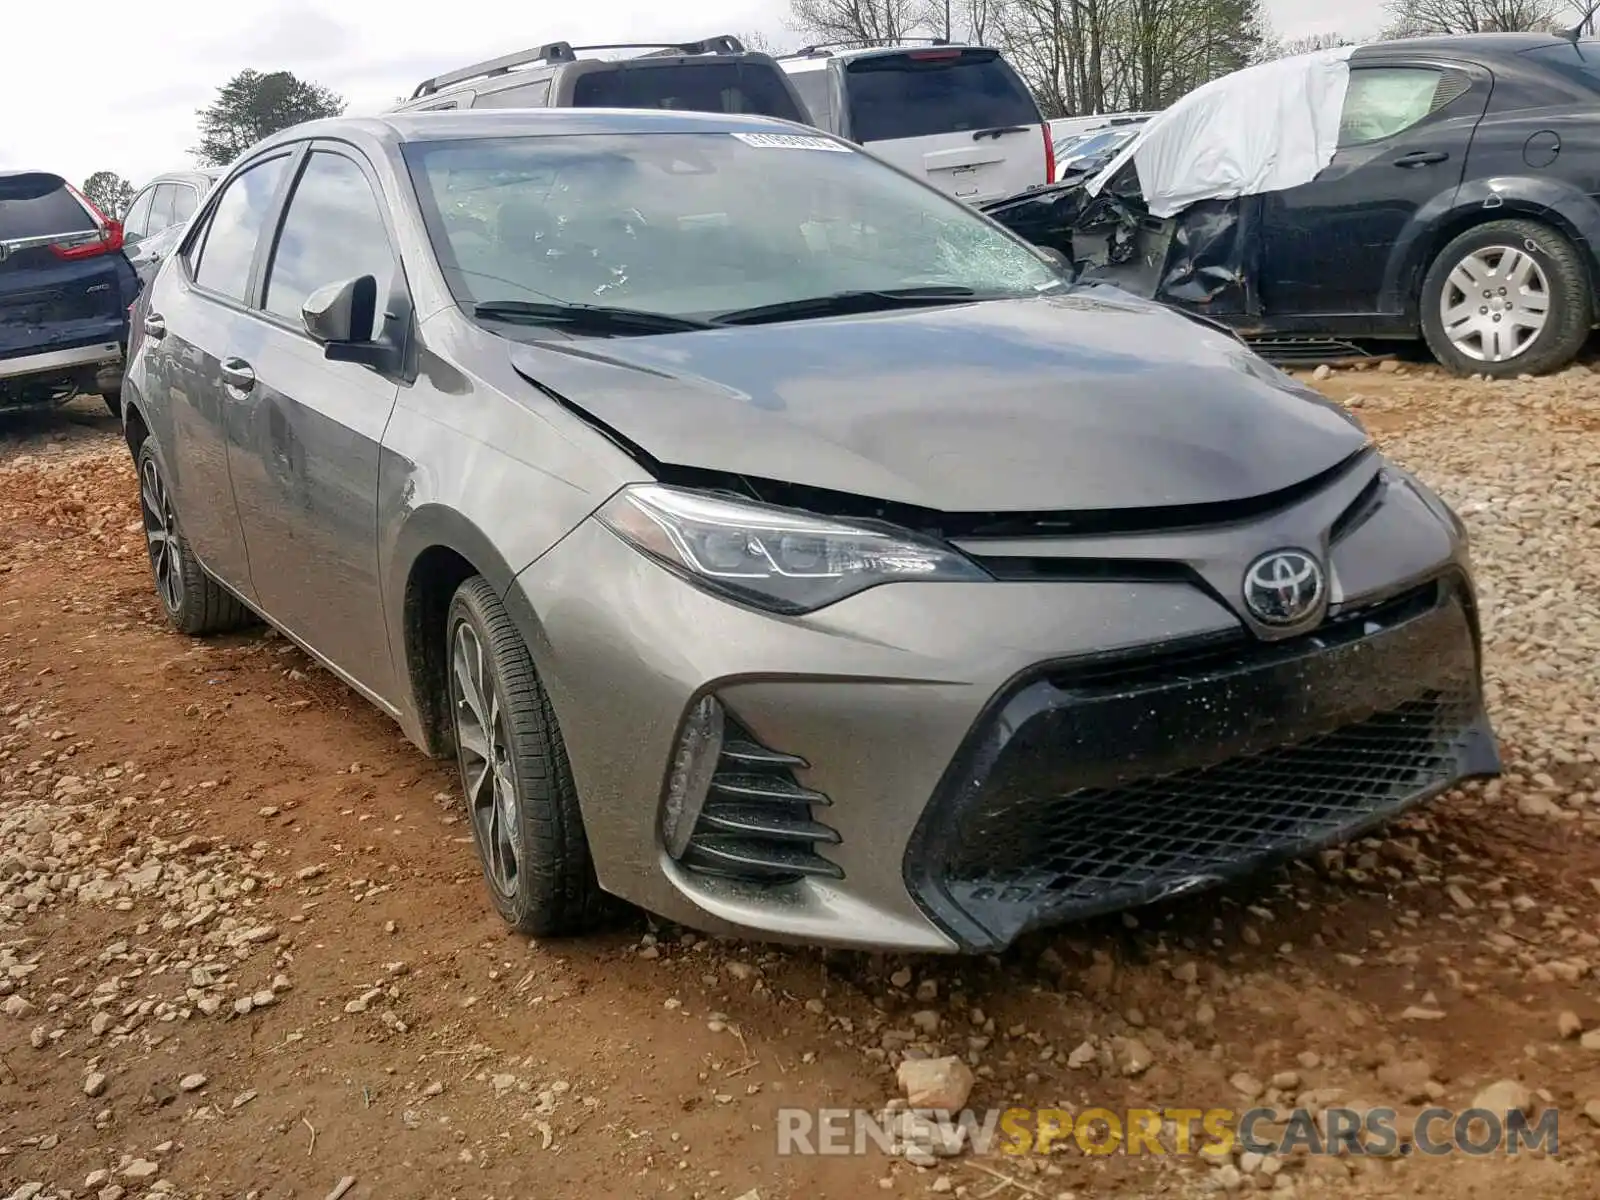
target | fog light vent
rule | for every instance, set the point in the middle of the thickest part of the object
(699, 748)
(755, 822)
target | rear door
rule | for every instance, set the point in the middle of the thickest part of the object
(959, 117)
(60, 286)
(1404, 134)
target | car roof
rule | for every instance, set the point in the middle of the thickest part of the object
(453, 123)
(1468, 45)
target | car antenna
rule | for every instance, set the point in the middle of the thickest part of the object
(1577, 30)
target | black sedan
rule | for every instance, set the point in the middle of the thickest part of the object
(1459, 203)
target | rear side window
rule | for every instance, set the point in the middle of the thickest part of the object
(184, 201)
(529, 95)
(921, 93)
(38, 205)
(333, 231)
(236, 221)
(161, 211)
(714, 87)
(1383, 101)
(138, 220)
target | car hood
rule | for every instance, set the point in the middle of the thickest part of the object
(1085, 400)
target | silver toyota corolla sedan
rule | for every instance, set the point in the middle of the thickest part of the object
(777, 544)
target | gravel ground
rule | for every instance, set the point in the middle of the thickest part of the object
(244, 950)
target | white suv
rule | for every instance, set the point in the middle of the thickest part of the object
(958, 116)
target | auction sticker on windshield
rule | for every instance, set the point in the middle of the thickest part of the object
(790, 141)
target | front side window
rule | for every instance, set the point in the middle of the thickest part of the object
(333, 231)
(920, 93)
(1383, 101)
(698, 224)
(229, 245)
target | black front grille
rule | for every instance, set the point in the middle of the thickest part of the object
(1113, 782)
(1104, 846)
(757, 824)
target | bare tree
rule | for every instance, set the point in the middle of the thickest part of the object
(1420, 18)
(855, 21)
(1272, 47)
(759, 42)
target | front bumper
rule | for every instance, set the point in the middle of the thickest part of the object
(998, 756)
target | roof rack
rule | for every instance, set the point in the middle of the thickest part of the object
(822, 48)
(565, 52)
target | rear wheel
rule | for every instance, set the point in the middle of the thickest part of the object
(193, 602)
(521, 798)
(1507, 298)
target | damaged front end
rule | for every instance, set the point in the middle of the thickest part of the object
(1201, 260)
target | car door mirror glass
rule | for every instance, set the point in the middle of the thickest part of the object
(342, 313)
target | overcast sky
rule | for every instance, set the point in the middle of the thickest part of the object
(134, 113)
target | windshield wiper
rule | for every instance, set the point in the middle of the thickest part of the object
(844, 304)
(598, 318)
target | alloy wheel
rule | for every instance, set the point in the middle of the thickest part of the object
(1495, 303)
(161, 536)
(485, 759)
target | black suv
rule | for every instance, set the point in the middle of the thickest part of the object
(65, 290)
(716, 74)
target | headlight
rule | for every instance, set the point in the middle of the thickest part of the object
(776, 558)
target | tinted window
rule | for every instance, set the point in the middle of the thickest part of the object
(1384, 101)
(138, 219)
(236, 221)
(813, 89)
(717, 87)
(333, 231)
(161, 211)
(529, 95)
(926, 92)
(37, 205)
(184, 201)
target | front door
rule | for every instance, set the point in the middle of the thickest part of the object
(1403, 139)
(305, 432)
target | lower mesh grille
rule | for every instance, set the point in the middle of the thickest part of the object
(1101, 784)
(757, 823)
(1100, 845)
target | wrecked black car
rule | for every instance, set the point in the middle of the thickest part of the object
(1337, 202)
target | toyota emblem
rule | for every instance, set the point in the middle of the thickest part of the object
(1284, 587)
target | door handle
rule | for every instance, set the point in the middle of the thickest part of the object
(155, 326)
(237, 373)
(1421, 158)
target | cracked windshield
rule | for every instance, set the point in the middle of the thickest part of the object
(698, 224)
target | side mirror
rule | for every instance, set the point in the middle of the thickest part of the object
(1055, 258)
(342, 318)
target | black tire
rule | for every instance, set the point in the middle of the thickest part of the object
(547, 886)
(193, 602)
(1570, 311)
(113, 402)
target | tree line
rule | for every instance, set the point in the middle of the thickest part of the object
(1077, 56)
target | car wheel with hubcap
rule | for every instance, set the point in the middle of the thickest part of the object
(521, 799)
(1507, 298)
(192, 601)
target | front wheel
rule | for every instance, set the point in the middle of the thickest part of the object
(1507, 298)
(521, 798)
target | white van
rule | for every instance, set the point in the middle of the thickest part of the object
(959, 116)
